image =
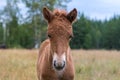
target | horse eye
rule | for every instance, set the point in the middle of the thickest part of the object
(49, 36)
(71, 36)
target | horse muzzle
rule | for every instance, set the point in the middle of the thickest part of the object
(59, 62)
(59, 65)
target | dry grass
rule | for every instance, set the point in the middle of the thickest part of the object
(97, 65)
(89, 65)
(18, 64)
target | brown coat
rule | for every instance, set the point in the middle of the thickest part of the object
(59, 33)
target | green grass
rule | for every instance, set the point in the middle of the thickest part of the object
(89, 65)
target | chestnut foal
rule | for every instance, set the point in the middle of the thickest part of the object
(54, 59)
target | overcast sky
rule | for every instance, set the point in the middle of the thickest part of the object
(95, 9)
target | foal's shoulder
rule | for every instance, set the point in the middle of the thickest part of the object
(43, 46)
(45, 43)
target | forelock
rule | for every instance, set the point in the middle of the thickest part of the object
(58, 13)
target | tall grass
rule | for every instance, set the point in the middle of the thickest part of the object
(89, 65)
(18, 64)
(97, 65)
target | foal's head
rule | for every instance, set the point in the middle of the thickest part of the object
(59, 33)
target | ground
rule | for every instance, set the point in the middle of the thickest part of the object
(20, 64)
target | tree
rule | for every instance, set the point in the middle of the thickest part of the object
(80, 30)
(12, 28)
(1, 33)
(112, 33)
(26, 36)
(9, 17)
(88, 41)
(35, 15)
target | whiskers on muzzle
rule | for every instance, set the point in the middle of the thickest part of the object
(59, 62)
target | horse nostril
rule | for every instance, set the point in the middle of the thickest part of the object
(63, 64)
(59, 65)
(54, 63)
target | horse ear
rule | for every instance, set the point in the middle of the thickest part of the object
(47, 14)
(71, 16)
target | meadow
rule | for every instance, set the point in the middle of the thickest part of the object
(20, 64)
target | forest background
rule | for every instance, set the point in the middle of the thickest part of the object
(17, 31)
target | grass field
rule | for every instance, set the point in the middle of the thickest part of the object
(89, 65)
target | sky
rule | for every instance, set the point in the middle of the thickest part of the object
(97, 9)
(94, 9)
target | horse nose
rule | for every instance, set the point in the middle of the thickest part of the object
(59, 65)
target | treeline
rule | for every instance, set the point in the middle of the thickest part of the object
(96, 34)
(17, 31)
(28, 30)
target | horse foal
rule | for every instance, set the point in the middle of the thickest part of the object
(54, 59)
